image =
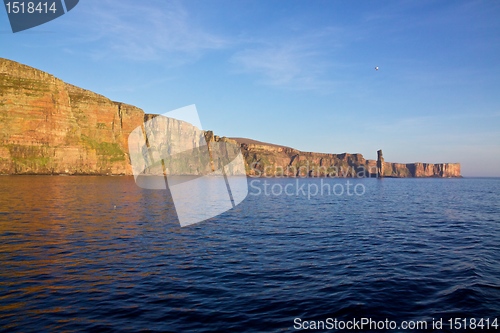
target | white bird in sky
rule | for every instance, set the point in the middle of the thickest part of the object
(376, 68)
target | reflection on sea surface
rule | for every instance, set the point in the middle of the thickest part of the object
(99, 253)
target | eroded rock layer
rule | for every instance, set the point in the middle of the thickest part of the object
(50, 127)
(264, 159)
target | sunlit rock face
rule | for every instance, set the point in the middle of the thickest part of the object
(50, 127)
(263, 159)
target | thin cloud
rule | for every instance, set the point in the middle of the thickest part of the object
(301, 63)
(146, 31)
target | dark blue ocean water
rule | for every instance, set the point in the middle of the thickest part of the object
(100, 254)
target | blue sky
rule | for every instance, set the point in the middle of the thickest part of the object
(297, 73)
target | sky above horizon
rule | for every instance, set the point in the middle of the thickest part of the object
(296, 73)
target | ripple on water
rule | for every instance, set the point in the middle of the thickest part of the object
(408, 249)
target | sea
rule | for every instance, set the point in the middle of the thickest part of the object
(100, 254)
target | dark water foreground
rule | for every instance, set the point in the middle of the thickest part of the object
(100, 254)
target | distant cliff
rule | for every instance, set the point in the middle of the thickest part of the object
(446, 170)
(50, 127)
(263, 159)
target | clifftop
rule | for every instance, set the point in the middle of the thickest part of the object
(264, 159)
(51, 127)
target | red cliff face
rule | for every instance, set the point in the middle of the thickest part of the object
(435, 170)
(268, 160)
(50, 127)
(271, 160)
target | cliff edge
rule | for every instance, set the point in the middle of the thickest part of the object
(51, 127)
(263, 159)
(48, 126)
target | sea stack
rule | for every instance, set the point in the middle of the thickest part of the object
(380, 164)
(51, 127)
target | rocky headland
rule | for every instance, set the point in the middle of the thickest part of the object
(48, 126)
(263, 159)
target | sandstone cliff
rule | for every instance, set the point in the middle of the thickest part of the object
(264, 159)
(166, 146)
(50, 127)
